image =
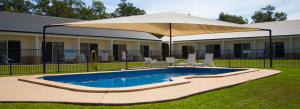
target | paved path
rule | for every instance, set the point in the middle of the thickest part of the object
(12, 90)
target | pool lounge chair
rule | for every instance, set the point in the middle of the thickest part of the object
(171, 60)
(191, 61)
(150, 61)
(208, 61)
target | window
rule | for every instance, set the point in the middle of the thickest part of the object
(242, 50)
(10, 50)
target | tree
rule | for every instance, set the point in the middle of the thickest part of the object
(127, 9)
(232, 18)
(19, 6)
(98, 9)
(267, 14)
(42, 7)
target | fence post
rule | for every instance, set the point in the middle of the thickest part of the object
(58, 60)
(9, 61)
(264, 58)
(10, 67)
(229, 54)
(126, 60)
(87, 62)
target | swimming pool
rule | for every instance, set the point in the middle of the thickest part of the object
(133, 78)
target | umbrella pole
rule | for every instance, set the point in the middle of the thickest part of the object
(271, 48)
(43, 49)
(170, 28)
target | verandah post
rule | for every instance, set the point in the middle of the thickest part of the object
(265, 58)
(126, 60)
(87, 61)
(58, 60)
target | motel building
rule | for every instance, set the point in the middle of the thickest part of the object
(21, 41)
(241, 45)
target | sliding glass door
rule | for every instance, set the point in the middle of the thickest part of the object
(186, 50)
(10, 50)
(144, 51)
(242, 50)
(54, 51)
(118, 51)
(214, 49)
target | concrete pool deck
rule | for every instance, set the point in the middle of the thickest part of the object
(12, 90)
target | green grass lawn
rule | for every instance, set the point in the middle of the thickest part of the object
(281, 91)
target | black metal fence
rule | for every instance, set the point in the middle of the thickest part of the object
(255, 58)
(29, 61)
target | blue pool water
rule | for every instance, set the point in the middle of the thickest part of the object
(133, 78)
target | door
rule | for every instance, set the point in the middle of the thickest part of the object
(94, 52)
(10, 50)
(14, 51)
(217, 51)
(116, 52)
(214, 49)
(48, 52)
(237, 50)
(144, 51)
(3, 52)
(279, 49)
(57, 51)
(184, 51)
(122, 50)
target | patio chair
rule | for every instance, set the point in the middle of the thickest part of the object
(208, 61)
(171, 60)
(69, 57)
(190, 61)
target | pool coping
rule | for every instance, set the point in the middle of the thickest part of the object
(175, 81)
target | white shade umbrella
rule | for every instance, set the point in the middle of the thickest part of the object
(160, 23)
(167, 24)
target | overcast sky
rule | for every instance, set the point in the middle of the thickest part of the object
(210, 8)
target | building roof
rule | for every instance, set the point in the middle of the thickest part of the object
(19, 22)
(279, 28)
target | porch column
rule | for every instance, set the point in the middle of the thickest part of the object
(77, 49)
(223, 49)
(37, 57)
(138, 55)
(110, 48)
(291, 47)
(160, 50)
(291, 43)
(254, 51)
(254, 44)
(195, 45)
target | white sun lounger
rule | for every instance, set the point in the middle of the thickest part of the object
(190, 61)
(150, 61)
(171, 60)
(208, 61)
